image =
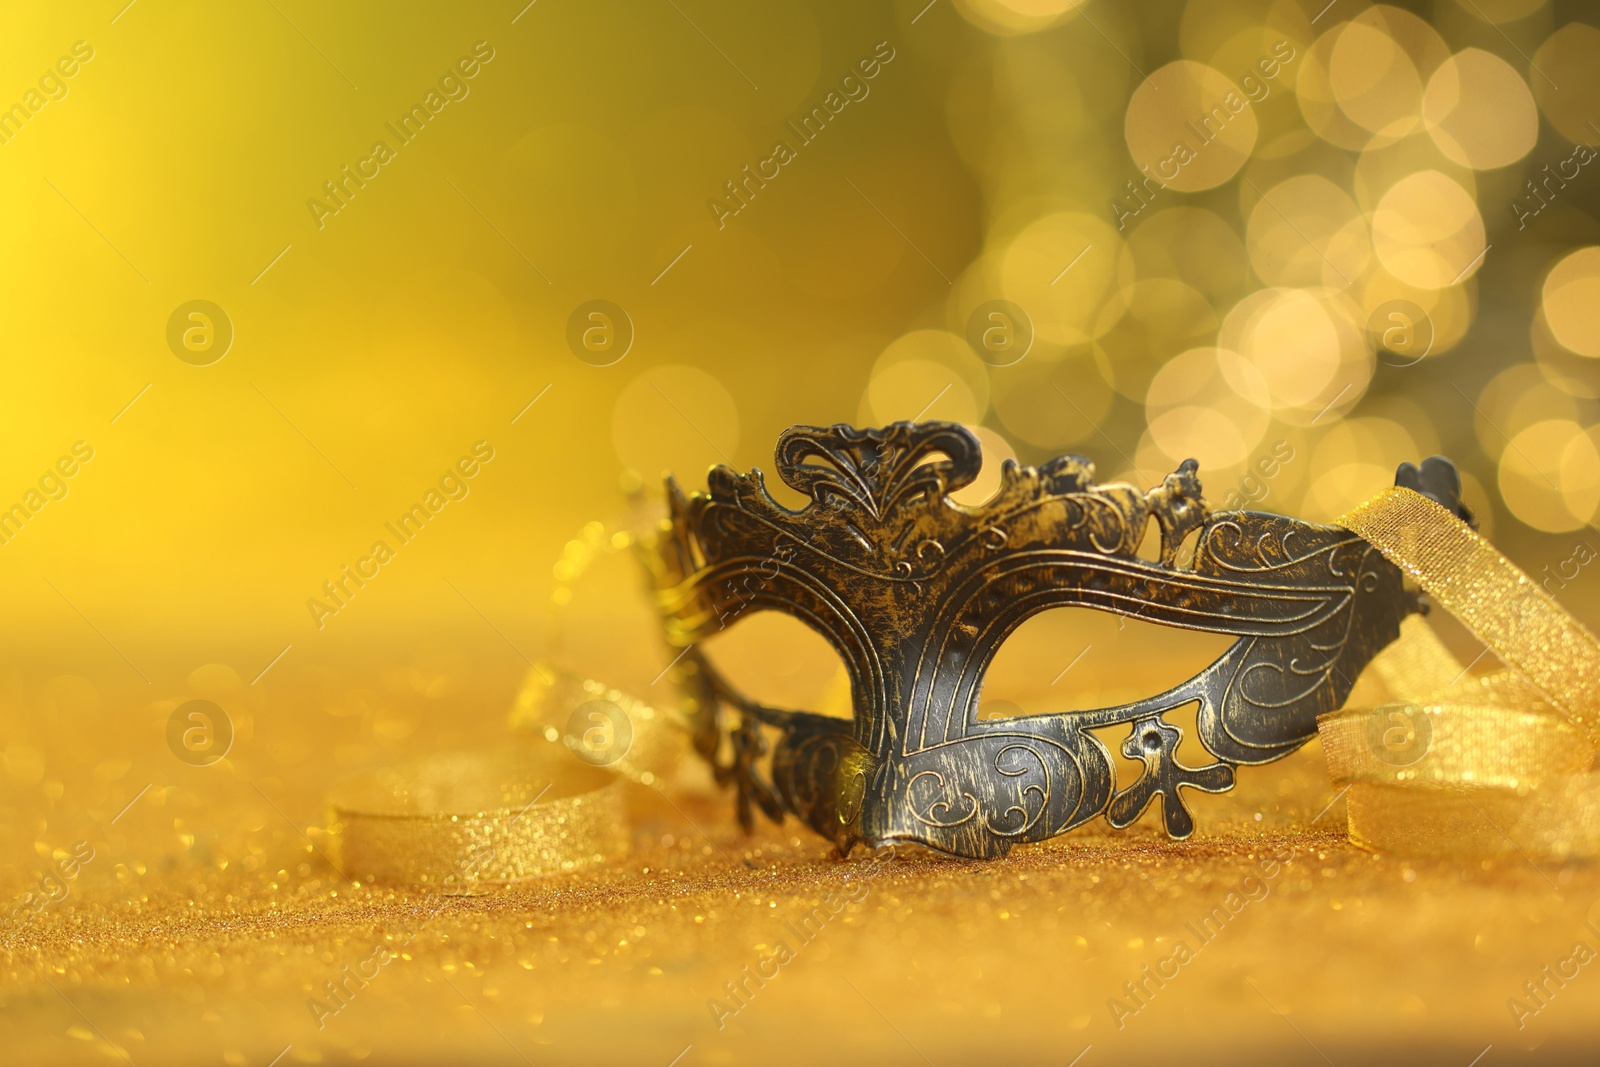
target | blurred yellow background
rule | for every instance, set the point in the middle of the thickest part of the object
(1383, 246)
(277, 275)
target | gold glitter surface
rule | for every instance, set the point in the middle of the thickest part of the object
(636, 958)
(233, 948)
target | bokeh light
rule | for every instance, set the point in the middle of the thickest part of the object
(1210, 404)
(1309, 352)
(1350, 464)
(1571, 301)
(1010, 17)
(1550, 475)
(1374, 82)
(1566, 81)
(1306, 231)
(674, 418)
(1427, 231)
(1501, 11)
(926, 374)
(1190, 127)
(1063, 268)
(1479, 111)
(1053, 405)
(1155, 319)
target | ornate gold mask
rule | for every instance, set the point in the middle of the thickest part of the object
(917, 592)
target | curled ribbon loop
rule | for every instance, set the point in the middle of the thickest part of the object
(457, 820)
(600, 725)
(550, 801)
(1458, 765)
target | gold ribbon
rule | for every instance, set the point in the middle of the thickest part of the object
(1502, 606)
(1460, 765)
(459, 820)
(601, 726)
(551, 801)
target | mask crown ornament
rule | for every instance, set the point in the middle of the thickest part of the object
(917, 592)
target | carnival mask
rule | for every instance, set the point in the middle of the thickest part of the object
(917, 593)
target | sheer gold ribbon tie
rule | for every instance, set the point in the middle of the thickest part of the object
(454, 821)
(1471, 765)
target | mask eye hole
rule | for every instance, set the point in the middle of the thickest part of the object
(1077, 659)
(777, 660)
